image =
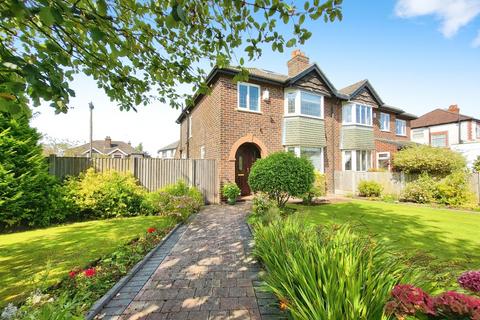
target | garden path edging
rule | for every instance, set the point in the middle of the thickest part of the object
(107, 297)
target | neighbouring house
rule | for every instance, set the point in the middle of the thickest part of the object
(168, 152)
(106, 148)
(448, 128)
(351, 129)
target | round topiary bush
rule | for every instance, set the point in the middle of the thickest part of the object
(282, 175)
(369, 188)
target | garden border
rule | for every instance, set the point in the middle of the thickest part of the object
(107, 297)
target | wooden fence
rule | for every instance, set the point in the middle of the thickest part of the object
(393, 182)
(151, 173)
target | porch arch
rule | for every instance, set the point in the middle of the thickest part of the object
(249, 138)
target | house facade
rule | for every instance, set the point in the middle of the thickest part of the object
(350, 129)
(106, 148)
(168, 151)
(448, 128)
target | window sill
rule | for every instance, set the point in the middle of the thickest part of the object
(249, 111)
(385, 130)
(357, 125)
(400, 135)
(293, 115)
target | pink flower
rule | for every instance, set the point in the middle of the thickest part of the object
(453, 304)
(72, 274)
(90, 272)
(470, 280)
(151, 230)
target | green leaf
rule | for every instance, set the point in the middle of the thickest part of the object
(291, 42)
(97, 34)
(102, 7)
(46, 16)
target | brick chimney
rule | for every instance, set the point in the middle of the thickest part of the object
(297, 63)
(108, 142)
(454, 108)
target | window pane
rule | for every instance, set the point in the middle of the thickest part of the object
(314, 155)
(348, 160)
(310, 104)
(357, 113)
(400, 127)
(359, 161)
(291, 102)
(291, 149)
(254, 95)
(242, 94)
(369, 116)
(364, 116)
(384, 121)
(439, 140)
(347, 114)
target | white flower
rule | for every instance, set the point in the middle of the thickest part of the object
(9, 312)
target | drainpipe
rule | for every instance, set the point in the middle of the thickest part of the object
(188, 135)
(334, 149)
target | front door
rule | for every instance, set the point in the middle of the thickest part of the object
(246, 155)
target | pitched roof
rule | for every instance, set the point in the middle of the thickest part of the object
(262, 73)
(353, 87)
(101, 147)
(439, 116)
(170, 146)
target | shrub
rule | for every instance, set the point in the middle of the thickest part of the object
(28, 194)
(282, 175)
(231, 191)
(422, 190)
(261, 203)
(318, 189)
(178, 200)
(434, 161)
(106, 194)
(453, 190)
(370, 188)
(328, 273)
(476, 165)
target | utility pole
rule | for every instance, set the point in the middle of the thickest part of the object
(90, 105)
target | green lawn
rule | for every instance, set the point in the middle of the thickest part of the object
(447, 242)
(26, 256)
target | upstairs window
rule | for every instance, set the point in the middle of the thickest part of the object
(400, 127)
(311, 104)
(384, 121)
(357, 114)
(304, 103)
(248, 97)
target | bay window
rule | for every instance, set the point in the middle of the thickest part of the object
(357, 160)
(400, 127)
(304, 103)
(384, 121)
(314, 154)
(354, 113)
(248, 97)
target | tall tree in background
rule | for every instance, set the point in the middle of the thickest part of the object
(59, 147)
(138, 50)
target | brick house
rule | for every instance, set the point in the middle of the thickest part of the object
(302, 112)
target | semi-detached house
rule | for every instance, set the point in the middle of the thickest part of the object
(350, 129)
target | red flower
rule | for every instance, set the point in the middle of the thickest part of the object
(72, 274)
(151, 230)
(90, 272)
(470, 280)
(409, 300)
(452, 304)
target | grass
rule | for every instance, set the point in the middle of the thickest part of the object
(444, 241)
(26, 257)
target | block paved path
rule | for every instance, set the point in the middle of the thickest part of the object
(204, 271)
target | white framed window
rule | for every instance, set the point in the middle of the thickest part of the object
(248, 97)
(190, 126)
(400, 127)
(303, 103)
(439, 139)
(202, 152)
(383, 160)
(354, 113)
(384, 121)
(356, 160)
(314, 154)
(418, 135)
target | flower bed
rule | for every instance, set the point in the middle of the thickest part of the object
(81, 287)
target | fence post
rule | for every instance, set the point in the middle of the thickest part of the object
(51, 164)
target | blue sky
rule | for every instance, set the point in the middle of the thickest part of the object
(418, 54)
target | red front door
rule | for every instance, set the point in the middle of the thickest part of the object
(246, 155)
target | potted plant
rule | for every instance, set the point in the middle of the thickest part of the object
(231, 191)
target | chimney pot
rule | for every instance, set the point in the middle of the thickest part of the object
(297, 63)
(454, 108)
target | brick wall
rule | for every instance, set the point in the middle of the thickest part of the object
(333, 155)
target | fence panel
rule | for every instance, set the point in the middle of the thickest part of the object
(392, 182)
(151, 173)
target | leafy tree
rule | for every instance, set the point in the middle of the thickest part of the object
(476, 164)
(139, 148)
(282, 175)
(27, 192)
(133, 47)
(431, 160)
(56, 146)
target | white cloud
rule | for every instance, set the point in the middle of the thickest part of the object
(476, 41)
(453, 14)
